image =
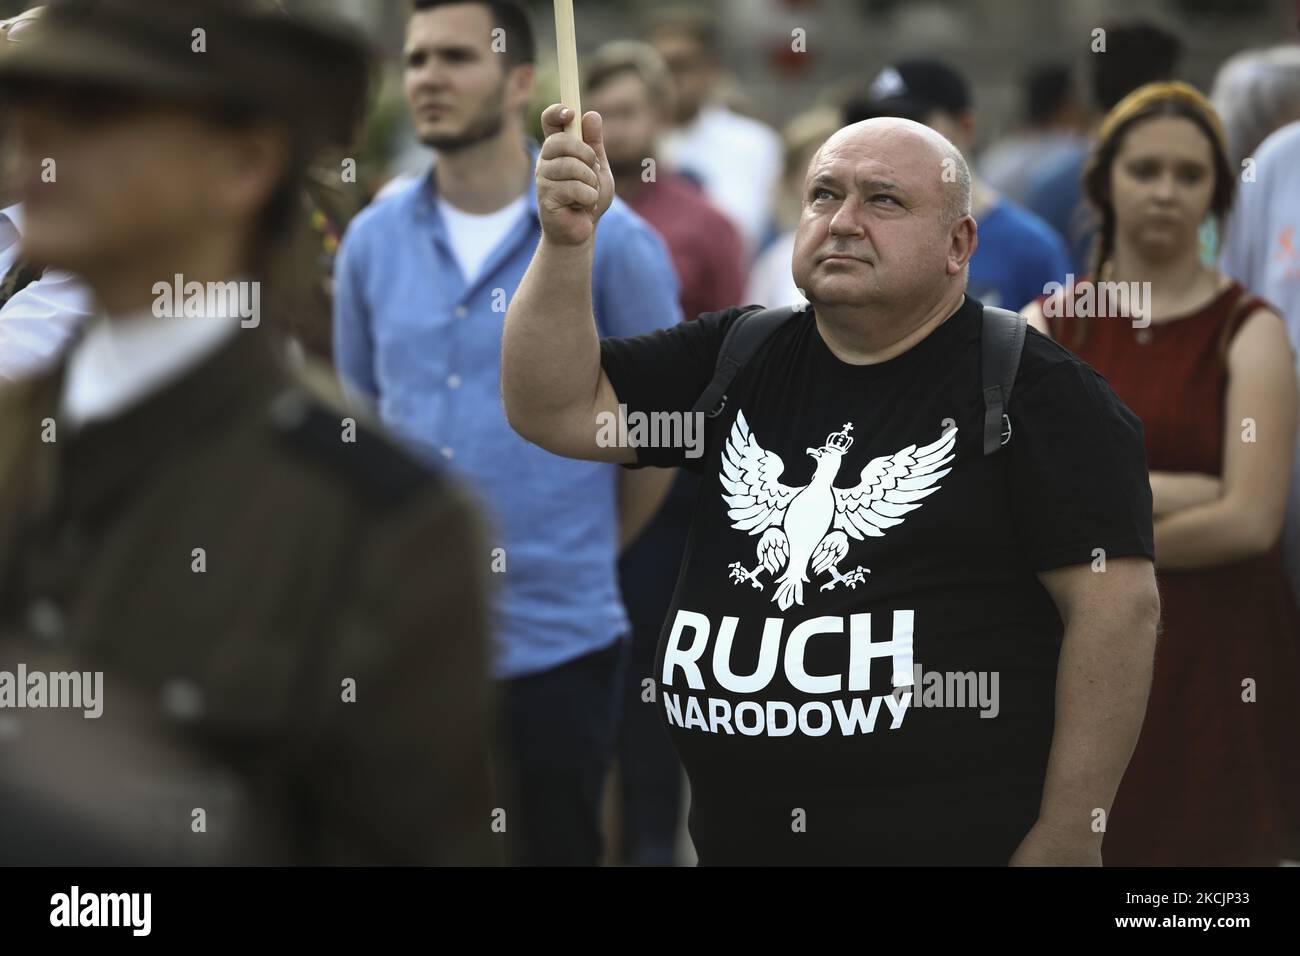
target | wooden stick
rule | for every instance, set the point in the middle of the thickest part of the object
(570, 86)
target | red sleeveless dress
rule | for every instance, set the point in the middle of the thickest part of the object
(1215, 780)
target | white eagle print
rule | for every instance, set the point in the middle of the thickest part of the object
(811, 526)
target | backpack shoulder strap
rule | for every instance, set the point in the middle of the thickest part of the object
(746, 335)
(1002, 342)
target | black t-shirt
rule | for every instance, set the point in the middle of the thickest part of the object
(851, 537)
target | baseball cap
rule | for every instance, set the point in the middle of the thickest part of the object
(912, 89)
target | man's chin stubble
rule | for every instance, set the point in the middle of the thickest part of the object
(454, 143)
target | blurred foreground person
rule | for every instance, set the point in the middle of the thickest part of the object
(1215, 779)
(235, 625)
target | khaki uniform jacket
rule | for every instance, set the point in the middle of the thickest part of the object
(291, 627)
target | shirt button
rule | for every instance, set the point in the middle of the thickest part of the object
(446, 452)
(461, 312)
(453, 381)
(1144, 336)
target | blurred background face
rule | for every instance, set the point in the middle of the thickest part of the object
(873, 228)
(693, 72)
(459, 90)
(132, 181)
(1162, 182)
(631, 122)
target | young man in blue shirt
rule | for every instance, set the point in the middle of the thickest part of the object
(423, 281)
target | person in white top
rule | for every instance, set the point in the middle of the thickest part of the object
(40, 317)
(735, 159)
(211, 532)
(38, 320)
(1262, 252)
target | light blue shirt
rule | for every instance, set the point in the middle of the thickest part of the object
(425, 346)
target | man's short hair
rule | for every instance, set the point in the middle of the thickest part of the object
(507, 15)
(1047, 88)
(639, 59)
(1137, 53)
(958, 201)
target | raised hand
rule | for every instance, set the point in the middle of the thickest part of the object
(574, 184)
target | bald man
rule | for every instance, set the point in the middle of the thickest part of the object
(886, 646)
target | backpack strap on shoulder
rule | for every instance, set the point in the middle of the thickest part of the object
(746, 335)
(1002, 342)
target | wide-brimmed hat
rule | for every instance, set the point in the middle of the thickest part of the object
(310, 73)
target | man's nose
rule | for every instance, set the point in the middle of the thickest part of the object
(431, 76)
(846, 222)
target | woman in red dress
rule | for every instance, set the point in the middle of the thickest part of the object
(1215, 777)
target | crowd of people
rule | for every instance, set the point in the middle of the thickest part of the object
(370, 586)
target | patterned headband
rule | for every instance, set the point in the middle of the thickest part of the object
(1145, 96)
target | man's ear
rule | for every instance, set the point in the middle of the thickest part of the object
(521, 83)
(963, 240)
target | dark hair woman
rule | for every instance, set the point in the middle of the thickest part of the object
(1215, 778)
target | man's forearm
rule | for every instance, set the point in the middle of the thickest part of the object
(1103, 679)
(550, 352)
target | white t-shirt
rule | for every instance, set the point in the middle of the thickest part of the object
(738, 162)
(473, 238)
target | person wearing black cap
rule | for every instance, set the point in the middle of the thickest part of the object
(287, 612)
(1018, 254)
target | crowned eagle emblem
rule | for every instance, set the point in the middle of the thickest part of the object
(809, 527)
